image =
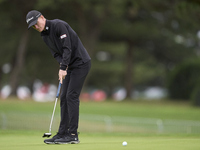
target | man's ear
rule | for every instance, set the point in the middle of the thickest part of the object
(42, 17)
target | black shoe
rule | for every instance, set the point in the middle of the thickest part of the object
(52, 140)
(69, 139)
(74, 139)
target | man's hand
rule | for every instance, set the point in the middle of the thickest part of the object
(61, 75)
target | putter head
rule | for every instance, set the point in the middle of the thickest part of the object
(46, 135)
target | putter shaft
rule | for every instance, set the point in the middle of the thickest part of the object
(57, 95)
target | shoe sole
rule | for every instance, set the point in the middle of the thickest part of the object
(62, 142)
(71, 142)
(75, 142)
(49, 142)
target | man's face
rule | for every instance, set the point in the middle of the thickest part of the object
(39, 26)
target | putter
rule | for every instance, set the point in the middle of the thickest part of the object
(57, 95)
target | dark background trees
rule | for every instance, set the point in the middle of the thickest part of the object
(133, 44)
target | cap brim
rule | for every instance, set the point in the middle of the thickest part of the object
(32, 23)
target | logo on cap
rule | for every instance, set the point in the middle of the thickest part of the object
(29, 19)
(38, 15)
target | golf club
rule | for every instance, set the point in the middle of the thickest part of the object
(57, 95)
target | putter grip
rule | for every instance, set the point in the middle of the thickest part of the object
(58, 91)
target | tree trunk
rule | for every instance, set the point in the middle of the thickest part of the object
(129, 71)
(19, 62)
(89, 33)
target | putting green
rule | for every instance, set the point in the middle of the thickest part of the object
(16, 140)
(22, 124)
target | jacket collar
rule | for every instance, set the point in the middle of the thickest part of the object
(47, 27)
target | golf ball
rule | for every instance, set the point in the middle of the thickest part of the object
(124, 143)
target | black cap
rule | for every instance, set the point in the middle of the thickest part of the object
(32, 17)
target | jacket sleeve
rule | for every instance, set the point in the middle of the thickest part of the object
(63, 35)
(56, 56)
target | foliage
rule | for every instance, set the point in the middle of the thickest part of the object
(195, 96)
(159, 34)
(183, 80)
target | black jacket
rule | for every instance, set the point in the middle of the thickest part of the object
(64, 44)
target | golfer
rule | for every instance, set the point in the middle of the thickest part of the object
(75, 63)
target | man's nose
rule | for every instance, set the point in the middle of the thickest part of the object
(36, 26)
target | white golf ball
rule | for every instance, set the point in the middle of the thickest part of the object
(124, 143)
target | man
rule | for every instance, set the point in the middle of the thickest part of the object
(75, 64)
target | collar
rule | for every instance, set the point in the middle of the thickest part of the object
(46, 30)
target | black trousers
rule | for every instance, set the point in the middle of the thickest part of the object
(69, 99)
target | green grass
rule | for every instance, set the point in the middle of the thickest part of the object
(23, 140)
(13, 137)
(146, 109)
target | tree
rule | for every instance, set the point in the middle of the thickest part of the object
(144, 40)
(153, 31)
(14, 11)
